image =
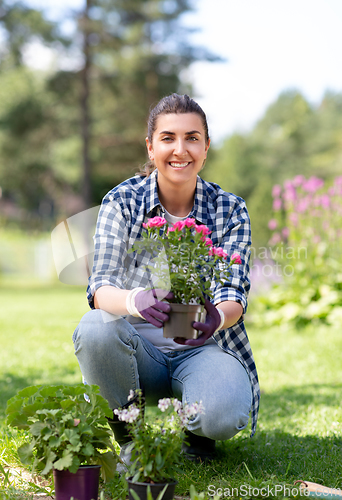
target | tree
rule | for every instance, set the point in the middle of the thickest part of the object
(293, 137)
(133, 53)
(127, 55)
(19, 25)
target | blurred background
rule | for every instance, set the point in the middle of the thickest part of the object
(77, 79)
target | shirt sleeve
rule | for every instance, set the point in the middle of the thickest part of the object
(110, 252)
(236, 238)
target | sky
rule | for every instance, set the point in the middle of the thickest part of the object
(270, 46)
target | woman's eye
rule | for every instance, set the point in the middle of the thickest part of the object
(193, 138)
(167, 139)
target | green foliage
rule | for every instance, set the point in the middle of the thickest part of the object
(307, 237)
(184, 260)
(67, 431)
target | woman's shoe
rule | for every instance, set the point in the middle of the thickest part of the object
(198, 448)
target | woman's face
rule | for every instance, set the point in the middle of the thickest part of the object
(178, 147)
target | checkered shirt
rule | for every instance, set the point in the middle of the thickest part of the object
(119, 225)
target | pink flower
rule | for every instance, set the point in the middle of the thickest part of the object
(288, 185)
(155, 222)
(179, 225)
(276, 191)
(208, 242)
(276, 238)
(277, 204)
(235, 259)
(190, 222)
(298, 180)
(272, 224)
(218, 251)
(293, 218)
(325, 201)
(290, 193)
(202, 229)
(313, 184)
(303, 205)
(285, 232)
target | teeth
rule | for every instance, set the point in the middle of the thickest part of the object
(174, 164)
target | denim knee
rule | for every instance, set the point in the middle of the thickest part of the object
(97, 330)
(215, 425)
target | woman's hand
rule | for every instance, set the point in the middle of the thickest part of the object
(151, 308)
(212, 323)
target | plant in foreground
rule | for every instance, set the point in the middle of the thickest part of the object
(185, 259)
(67, 431)
(156, 447)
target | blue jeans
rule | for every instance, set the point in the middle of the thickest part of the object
(113, 355)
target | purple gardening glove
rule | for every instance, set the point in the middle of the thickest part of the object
(150, 306)
(212, 322)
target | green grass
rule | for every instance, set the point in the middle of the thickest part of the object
(299, 432)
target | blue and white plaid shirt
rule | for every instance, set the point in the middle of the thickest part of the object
(119, 225)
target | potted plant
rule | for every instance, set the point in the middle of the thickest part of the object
(156, 446)
(69, 436)
(185, 262)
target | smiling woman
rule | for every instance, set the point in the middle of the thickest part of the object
(178, 150)
(120, 344)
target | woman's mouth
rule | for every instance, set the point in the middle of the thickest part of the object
(176, 164)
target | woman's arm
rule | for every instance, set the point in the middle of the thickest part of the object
(232, 312)
(111, 299)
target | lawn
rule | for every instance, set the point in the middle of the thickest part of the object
(299, 431)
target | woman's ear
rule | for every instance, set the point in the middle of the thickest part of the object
(207, 147)
(149, 149)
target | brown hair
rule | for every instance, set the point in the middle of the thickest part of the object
(173, 103)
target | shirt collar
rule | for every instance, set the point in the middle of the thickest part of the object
(203, 209)
(152, 199)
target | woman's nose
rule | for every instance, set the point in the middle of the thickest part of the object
(180, 148)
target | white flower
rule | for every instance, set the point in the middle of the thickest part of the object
(163, 404)
(131, 395)
(177, 404)
(132, 414)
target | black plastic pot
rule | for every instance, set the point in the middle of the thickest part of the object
(141, 490)
(83, 485)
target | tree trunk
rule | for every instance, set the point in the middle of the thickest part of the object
(85, 111)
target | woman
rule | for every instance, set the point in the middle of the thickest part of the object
(119, 343)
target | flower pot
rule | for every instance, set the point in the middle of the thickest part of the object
(83, 485)
(141, 490)
(180, 321)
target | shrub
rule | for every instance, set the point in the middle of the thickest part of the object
(307, 243)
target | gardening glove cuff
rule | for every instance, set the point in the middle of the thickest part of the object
(130, 302)
(223, 318)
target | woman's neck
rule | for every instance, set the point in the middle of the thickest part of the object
(177, 199)
(177, 203)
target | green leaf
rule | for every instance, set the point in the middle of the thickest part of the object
(108, 463)
(37, 427)
(134, 494)
(25, 452)
(64, 462)
(54, 441)
(88, 450)
(49, 463)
